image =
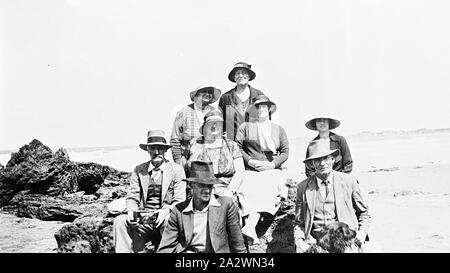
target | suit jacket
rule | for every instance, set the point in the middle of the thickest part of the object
(173, 190)
(350, 206)
(247, 140)
(224, 228)
(231, 116)
(343, 162)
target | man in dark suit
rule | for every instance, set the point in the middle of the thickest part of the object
(205, 223)
(327, 196)
(155, 187)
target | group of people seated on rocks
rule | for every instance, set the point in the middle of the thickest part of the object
(227, 170)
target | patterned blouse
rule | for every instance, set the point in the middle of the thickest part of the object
(222, 156)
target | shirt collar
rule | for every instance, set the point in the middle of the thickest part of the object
(207, 108)
(332, 136)
(330, 179)
(151, 167)
(212, 202)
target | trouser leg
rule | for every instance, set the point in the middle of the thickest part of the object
(122, 234)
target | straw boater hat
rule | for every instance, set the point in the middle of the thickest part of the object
(213, 115)
(155, 137)
(216, 92)
(263, 99)
(320, 148)
(333, 123)
(202, 172)
(245, 66)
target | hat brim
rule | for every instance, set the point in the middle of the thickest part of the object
(200, 130)
(209, 181)
(144, 146)
(336, 152)
(272, 105)
(251, 73)
(216, 93)
(332, 123)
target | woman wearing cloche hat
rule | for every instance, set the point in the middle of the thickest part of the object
(213, 146)
(323, 125)
(235, 102)
(265, 147)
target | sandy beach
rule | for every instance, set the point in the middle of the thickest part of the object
(404, 179)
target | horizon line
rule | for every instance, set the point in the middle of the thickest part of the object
(420, 130)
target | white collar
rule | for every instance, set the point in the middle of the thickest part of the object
(207, 108)
(162, 167)
(212, 202)
(245, 94)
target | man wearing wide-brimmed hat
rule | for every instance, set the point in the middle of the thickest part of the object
(323, 124)
(204, 223)
(155, 187)
(189, 119)
(328, 196)
(234, 103)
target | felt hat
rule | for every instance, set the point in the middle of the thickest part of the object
(320, 148)
(213, 115)
(241, 65)
(202, 172)
(333, 123)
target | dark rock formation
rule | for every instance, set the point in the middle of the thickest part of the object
(86, 235)
(37, 183)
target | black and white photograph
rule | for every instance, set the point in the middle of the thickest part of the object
(239, 126)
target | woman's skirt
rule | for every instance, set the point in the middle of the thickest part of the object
(261, 191)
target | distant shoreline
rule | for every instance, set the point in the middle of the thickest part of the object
(364, 134)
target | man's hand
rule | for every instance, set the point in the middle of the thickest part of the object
(163, 214)
(301, 246)
(130, 219)
(361, 237)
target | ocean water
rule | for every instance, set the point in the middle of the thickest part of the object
(368, 153)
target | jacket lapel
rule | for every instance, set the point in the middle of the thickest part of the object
(338, 194)
(167, 179)
(187, 219)
(145, 180)
(311, 194)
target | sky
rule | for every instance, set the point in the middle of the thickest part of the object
(81, 73)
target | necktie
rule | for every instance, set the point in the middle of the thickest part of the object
(156, 172)
(327, 189)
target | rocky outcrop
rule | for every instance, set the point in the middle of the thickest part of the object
(86, 235)
(35, 170)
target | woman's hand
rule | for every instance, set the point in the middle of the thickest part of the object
(264, 165)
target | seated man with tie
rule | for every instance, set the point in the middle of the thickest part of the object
(155, 188)
(205, 223)
(328, 196)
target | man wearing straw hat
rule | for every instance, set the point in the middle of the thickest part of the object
(234, 103)
(204, 223)
(328, 196)
(155, 187)
(189, 119)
